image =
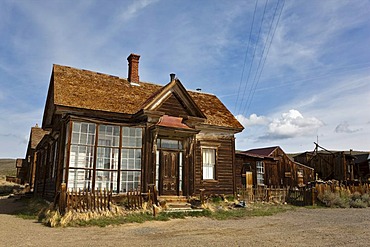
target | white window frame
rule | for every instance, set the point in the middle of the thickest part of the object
(260, 171)
(209, 166)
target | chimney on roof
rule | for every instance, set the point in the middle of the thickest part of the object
(133, 67)
(172, 76)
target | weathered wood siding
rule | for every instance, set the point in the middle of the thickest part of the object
(223, 184)
(327, 165)
(173, 107)
(279, 172)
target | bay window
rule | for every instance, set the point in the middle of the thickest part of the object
(104, 157)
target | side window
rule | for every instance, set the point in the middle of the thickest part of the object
(209, 163)
(260, 167)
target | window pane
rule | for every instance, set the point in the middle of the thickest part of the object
(79, 179)
(107, 158)
(131, 137)
(108, 136)
(83, 133)
(81, 156)
(260, 167)
(130, 180)
(106, 180)
(209, 161)
(131, 159)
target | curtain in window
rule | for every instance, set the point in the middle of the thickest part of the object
(209, 161)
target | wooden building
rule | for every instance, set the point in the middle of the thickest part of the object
(22, 170)
(107, 132)
(362, 166)
(271, 166)
(337, 165)
(26, 167)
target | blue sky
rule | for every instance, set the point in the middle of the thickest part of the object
(300, 72)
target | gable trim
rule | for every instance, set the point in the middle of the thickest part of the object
(175, 87)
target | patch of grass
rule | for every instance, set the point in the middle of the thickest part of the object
(7, 167)
(256, 210)
(137, 217)
(31, 208)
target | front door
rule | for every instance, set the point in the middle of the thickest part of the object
(169, 170)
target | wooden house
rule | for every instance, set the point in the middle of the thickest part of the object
(26, 167)
(362, 166)
(22, 170)
(337, 165)
(271, 166)
(107, 132)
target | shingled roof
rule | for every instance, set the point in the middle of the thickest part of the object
(261, 151)
(83, 89)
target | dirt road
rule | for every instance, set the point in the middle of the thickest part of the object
(302, 227)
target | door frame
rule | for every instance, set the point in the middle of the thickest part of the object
(162, 166)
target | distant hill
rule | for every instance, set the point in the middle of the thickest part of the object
(7, 167)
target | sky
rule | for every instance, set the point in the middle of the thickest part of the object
(293, 72)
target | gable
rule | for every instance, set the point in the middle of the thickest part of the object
(173, 106)
(174, 97)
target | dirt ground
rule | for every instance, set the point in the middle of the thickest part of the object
(301, 227)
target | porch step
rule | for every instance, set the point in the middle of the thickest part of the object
(182, 210)
(179, 205)
(170, 199)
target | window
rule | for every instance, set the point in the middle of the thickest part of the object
(209, 163)
(106, 166)
(107, 157)
(81, 156)
(260, 167)
(131, 158)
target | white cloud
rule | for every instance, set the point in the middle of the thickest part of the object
(291, 124)
(252, 120)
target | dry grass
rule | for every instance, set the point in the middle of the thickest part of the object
(7, 168)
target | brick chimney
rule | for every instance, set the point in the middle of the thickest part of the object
(133, 67)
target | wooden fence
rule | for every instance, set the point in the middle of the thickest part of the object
(13, 179)
(360, 188)
(83, 200)
(265, 194)
(303, 196)
(99, 200)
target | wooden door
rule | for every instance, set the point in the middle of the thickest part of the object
(169, 166)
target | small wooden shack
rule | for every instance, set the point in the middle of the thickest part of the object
(26, 167)
(107, 132)
(271, 166)
(337, 165)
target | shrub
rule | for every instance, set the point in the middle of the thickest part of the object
(334, 200)
(366, 199)
(356, 196)
(358, 203)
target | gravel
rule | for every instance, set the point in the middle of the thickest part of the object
(301, 227)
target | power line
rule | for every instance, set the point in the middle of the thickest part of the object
(254, 52)
(268, 49)
(261, 59)
(246, 54)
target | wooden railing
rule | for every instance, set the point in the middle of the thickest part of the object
(303, 196)
(13, 179)
(265, 194)
(101, 200)
(83, 200)
(134, 199)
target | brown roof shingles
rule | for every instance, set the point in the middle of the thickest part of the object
(36, 135)
(95, 91)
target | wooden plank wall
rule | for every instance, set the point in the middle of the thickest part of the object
(224, 169)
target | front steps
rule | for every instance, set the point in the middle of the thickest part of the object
(172, 204)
